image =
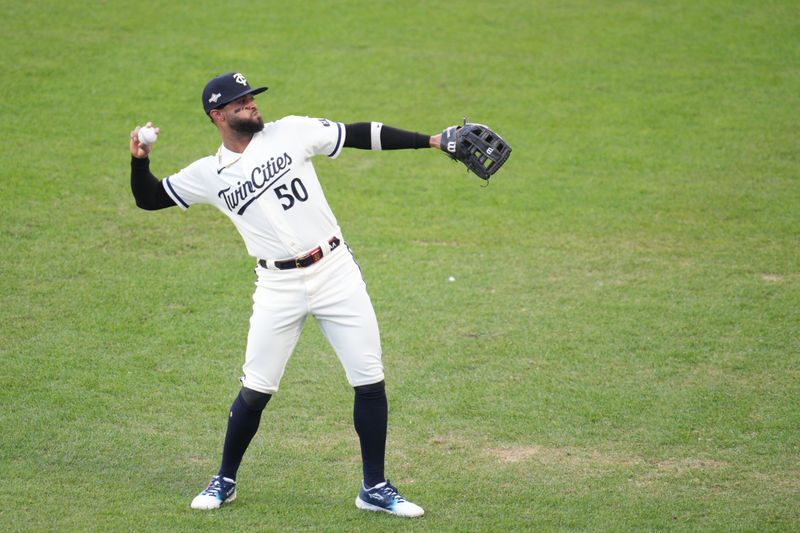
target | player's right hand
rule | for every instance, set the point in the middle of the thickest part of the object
(138, 149)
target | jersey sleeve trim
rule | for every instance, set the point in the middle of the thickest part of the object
(174, 195)
(339, 140)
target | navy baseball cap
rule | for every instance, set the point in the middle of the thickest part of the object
(226, 88)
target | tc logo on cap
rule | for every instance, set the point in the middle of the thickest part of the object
(226, 88)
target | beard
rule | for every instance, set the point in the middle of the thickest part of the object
(252, 125)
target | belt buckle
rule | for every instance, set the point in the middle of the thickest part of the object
(297, 263)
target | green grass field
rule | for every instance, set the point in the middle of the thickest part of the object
(619, 350)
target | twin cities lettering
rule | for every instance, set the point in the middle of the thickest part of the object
(262, 177)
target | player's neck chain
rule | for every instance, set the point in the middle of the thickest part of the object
(223, 167)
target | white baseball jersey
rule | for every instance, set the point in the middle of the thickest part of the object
(270, 191)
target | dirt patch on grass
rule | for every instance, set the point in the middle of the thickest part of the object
(560, 456)
(657, 472)
(516, 454)
(783, 482)
(582, 458)
(684, 465)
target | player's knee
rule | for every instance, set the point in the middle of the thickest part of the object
(371, 389)
(254, 399)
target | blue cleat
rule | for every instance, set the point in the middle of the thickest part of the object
(384, 497)
(220, 490)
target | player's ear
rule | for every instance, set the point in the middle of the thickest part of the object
(216, 116)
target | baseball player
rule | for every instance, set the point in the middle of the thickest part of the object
(263, 179)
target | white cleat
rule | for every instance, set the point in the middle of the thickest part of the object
(385, 498)
(220, 490)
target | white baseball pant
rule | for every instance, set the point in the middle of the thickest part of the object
(334, 292)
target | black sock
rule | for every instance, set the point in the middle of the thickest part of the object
(370, 417)
(242, 426)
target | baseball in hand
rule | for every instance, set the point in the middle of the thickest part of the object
(148, 135)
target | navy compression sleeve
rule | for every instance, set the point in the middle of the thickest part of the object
(146, 188)
(376, 136)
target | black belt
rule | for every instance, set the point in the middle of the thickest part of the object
(309, 259)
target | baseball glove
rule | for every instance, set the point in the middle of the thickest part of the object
(477, 146)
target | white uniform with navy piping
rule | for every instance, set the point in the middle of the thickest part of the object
(273, 196)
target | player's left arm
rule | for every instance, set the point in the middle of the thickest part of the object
(378, 136)
(477, 146)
